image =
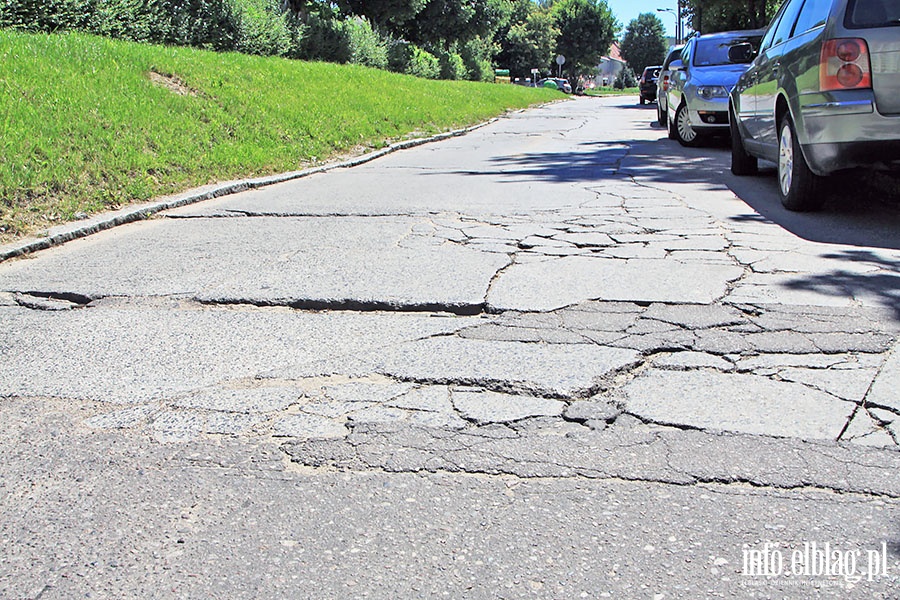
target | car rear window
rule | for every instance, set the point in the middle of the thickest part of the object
(873, 13)
(673, 56)
(714, 51)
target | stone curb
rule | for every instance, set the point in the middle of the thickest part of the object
(72, 231)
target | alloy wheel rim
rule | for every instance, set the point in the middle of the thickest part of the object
(786, 160)
(685, 130)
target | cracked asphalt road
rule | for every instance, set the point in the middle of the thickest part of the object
(558, 357)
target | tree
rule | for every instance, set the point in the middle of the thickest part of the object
(625, 79)
(710, 16)
(444, 23)
(388, 14)
(529, 44)
(587, 29)
(644, 43)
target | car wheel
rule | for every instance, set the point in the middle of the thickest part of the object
(800, 188)
(660, 114)
(686, 134)
(670, 126)
(741, 162)
(642, 101)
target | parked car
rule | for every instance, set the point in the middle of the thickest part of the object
(699, 84)
(564, 85)
(648, 83)
(662, 84)
(822, 95)
(561, 84)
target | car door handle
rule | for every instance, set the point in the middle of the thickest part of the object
(776, 67)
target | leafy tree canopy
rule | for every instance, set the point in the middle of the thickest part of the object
(530, 44)
(644, 43)
(383, 13)
(587, 29)
(710, 16)
(443, 23)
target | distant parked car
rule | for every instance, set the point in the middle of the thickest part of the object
(697, 99)
(648, 83)
(822, 95)
(662, 84)
(561, 84)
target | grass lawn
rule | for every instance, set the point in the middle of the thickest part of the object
(90, 123)
(609, 91)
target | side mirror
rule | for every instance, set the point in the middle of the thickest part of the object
(741, 53)
(676, 65)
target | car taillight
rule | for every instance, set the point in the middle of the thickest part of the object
(665, 84)
(845, 65)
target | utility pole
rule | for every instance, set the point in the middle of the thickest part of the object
(679, 32)
(679, 28)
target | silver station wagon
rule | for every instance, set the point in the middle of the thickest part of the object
(822, 95)
(697, 102)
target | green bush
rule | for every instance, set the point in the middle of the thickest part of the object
(480, 70)
(404, 57)
(424, 64)
(398, 56)
(298, 30)
(259, 27)
(353, 41)
(207, 24)
(131, 20)
(210, 24)
(366, 46)
(625, 79)
(323, 39)
(262, 28)
(452, 66)
(46, 15)
(477, 54)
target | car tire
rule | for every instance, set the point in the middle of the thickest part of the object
(670, 127)
(800, 189)
(741, 162)
(686, 135)
(642, 100)
(660, 114)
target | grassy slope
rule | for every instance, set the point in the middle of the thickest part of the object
(84, 128)
(608, 91)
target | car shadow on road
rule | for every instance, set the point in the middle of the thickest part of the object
(853, 215)
(883, 282)
(639, 106)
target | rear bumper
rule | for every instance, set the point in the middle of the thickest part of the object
(846, 116)
(843, 130)
(830, 157)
